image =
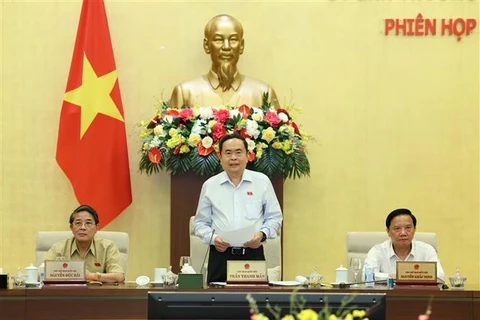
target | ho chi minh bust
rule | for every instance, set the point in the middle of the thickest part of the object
(223, 84)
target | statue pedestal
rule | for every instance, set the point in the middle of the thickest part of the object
(184, 195)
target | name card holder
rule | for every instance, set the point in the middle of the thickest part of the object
(65, 273)
(419, 274)
(247, 273)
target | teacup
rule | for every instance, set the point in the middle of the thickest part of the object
(160, 275)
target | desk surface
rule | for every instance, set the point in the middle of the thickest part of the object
(121, 302)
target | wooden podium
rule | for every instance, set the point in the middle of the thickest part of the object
(184, 194)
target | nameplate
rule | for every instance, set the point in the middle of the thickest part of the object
(64, 271)
(247, 271)
(416, 272)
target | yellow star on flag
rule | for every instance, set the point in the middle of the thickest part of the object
(93, 96)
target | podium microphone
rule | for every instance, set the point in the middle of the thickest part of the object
(206, 253)
(344, 285)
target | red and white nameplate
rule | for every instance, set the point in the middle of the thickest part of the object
(243, 271)
(64, 271)
(416, 272)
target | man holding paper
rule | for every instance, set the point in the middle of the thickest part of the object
(237, 210)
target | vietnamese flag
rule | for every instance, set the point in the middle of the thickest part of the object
(92, 145)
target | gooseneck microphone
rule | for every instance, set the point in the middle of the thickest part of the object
(206, 253)
(344, 285)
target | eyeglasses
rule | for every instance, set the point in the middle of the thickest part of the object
(87, 224)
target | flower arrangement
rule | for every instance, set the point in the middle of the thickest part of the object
(299, 312)
(187, 139)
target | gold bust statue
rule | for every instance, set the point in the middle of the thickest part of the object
(223, 84)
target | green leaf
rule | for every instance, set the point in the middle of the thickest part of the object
(149, 167)
(271, 162)
(296, 165)
(178, 164)
(265, 101)
(205, 165)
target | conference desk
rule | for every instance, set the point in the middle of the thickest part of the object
(121, 302)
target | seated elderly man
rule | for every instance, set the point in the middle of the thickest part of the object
(102, 258)
(401, 226)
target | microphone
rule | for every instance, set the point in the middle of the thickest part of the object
(206, 253)
(344, 285)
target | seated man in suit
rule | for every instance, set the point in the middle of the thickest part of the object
(102, 258)
(401, 225)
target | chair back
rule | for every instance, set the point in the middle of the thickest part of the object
(359, 243)
(272, 250)
(45, 240)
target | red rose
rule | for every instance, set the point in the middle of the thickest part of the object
(222, 115)
(218, 132)
(185, 114)
(272, 118)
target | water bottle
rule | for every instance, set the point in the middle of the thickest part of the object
(42, 272)
(369, 277)
(390, 282)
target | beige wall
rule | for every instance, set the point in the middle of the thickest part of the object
(395, 120)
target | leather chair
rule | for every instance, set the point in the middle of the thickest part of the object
(359, 243)
(45, 240)
(272, 249)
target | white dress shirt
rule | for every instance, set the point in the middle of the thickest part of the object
(383, 258)
(225, 207)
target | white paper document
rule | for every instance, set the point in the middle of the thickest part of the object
(286, 283)
(238, 237)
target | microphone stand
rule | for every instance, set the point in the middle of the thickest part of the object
(206, 253)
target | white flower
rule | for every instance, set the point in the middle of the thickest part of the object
(207, 142)
(258, 111)
(252, 129)
(234, 113)
(257, 117)
(250, 144)
(283, 117)
(205, 112)
(257, 114)
(168, 118)
(158, 130)
(155, 142)
(199, 127)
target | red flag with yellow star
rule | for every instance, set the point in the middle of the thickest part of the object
(92, 145)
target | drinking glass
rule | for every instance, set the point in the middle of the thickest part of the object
(355, 266)
(184, 261)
